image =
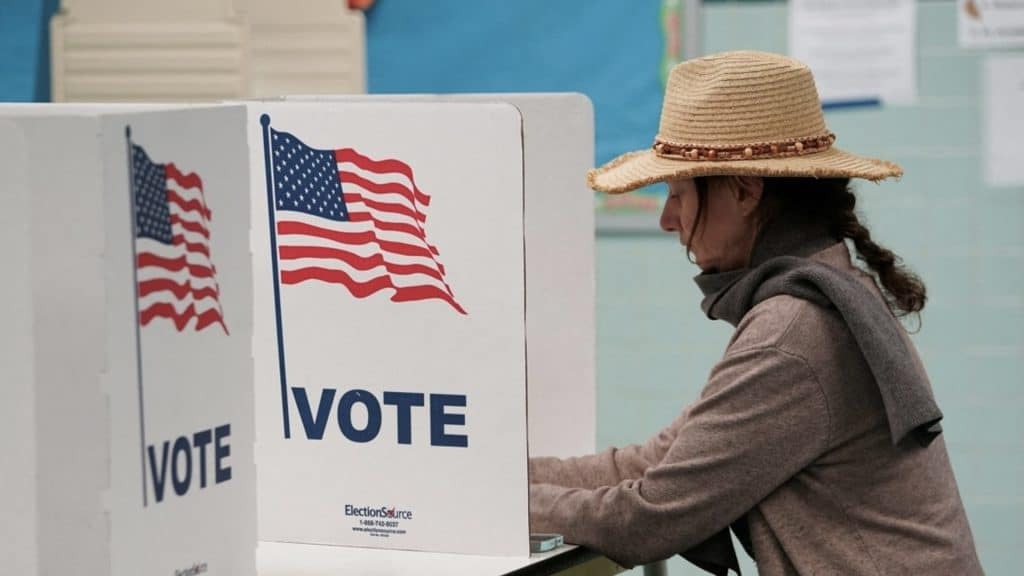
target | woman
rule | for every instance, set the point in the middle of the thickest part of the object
(816, 438)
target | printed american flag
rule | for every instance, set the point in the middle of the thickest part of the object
(346, 219)
(176, 276)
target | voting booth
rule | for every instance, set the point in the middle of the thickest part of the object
(130, 346)
(457, 291)
(17, 412)
(390, 341)
(344, 322)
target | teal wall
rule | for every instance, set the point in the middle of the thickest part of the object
(964, 238)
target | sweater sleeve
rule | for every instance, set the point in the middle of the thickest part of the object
(605, 468)
(761, 418)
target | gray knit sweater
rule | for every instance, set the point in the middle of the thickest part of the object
(791, 430)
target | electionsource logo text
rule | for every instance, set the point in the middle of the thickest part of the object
(377, 512)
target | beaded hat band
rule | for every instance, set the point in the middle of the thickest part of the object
(783, 149)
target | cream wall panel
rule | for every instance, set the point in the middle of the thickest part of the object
(311, 47)
(203, 50)
(102, 51)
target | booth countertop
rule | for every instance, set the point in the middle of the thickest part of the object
(282, 559)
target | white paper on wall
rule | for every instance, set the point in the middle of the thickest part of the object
(390, 340)
(990, 23)
(1004, 119)
(858, 51)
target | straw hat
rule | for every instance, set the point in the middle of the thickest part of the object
(739, 113)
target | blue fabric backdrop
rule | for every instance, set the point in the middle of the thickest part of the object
(611, 50)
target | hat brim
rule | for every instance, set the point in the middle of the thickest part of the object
(637, 169)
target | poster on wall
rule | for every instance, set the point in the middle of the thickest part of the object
(1003, 127)
(990, 23)
(861, 53)
(390, 325)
